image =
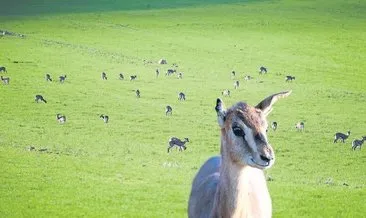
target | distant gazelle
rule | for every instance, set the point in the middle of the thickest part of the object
(2, 69)
(168, 110)
(274, 125)
(39, 98)
(341, 136)
(133, 77)
(358, 143)
(5, 80)
(236, 84)
(262, 70)
(233, 184)
(62, 78)
(61, 118)
(289, 78)
(226, 92)
(174, 141)
(300, 126)
(104, 76)
(181, 96)
(105, 118)
(48, 78)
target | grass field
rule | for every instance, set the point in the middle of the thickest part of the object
(121, 169)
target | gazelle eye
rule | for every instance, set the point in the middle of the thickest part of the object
(238, 131)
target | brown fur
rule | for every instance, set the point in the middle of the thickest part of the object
(233, 184)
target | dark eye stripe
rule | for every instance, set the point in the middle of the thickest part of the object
(259, 137)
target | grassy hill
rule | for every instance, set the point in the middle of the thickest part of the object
(88, 168)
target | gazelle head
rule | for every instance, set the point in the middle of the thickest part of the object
(243, 132)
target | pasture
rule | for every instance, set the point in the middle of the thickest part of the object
(86, 167)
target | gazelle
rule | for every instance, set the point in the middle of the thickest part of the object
(300, 126)
(105, 118)
(39, 98)
(121, 77)
(262, 70)
(61, 118)
(236, 84)
(233, 184)
(168, 110)
(289, 78)
(104, 76)
(138, 93)
(358, 143)
(181, 96)
(3, 69)
(174, 141)
(226, 92)
(48, 78)
(62, 78)
(133, 77)
(170, 72)
(274, 125)
(247, 77)
(5, 80)
(341, 136)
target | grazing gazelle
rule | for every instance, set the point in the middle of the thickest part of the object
(181, 96)
(62, 78)
(174, 141)
(105, 118)
(289, 78)
(262, 70)
(61, 118)
(133, 77)
(104, 76)
(358, 143)
(3, 69)
(40, 98)
(5, 80)
(168, 110)
(233, 184)
(341, 136)
(48, 78)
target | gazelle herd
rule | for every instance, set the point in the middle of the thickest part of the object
(231, 184)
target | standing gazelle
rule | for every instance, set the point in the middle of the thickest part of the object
(174, 141)
(168, 110)
(233, 184)
(341, 136)
(358, 143)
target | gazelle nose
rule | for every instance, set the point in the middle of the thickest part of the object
(265, 158)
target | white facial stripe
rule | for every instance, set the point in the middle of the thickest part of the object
(249, 138)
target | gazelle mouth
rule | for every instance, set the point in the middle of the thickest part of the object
(267, 163)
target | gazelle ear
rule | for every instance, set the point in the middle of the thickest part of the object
(266, 105)
(221, 112)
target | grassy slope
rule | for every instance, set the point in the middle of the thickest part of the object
(122, 168)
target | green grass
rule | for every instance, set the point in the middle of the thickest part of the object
(122, 169)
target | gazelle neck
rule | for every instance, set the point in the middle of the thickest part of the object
(241, 192)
